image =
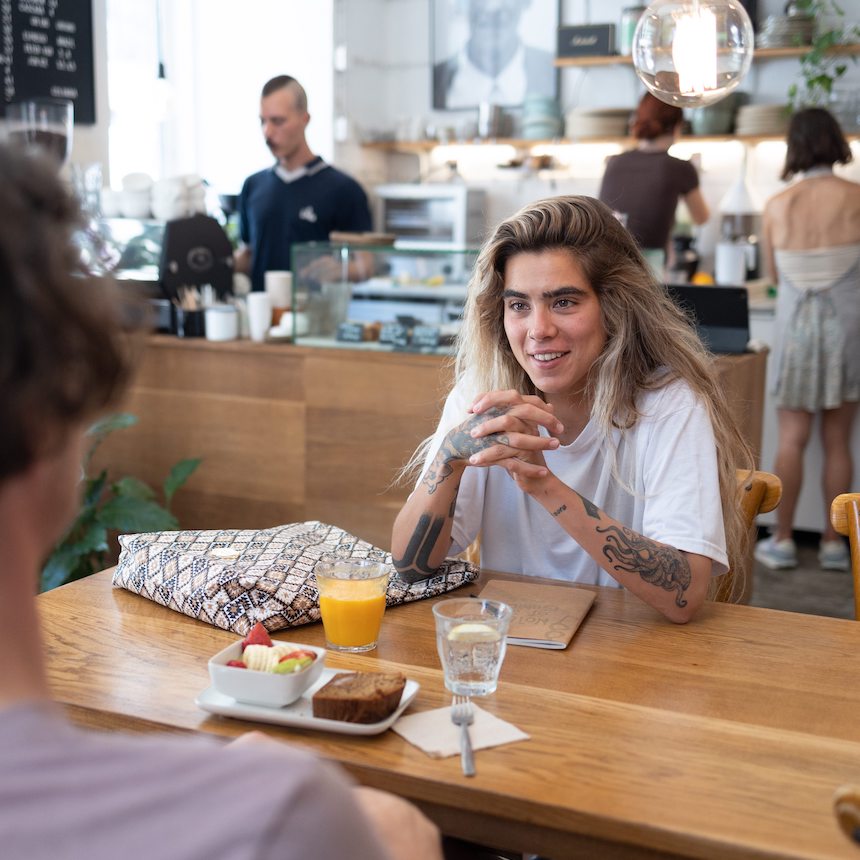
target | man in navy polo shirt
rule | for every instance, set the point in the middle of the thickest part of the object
(301, 198)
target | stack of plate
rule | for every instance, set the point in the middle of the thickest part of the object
(788, 32)
(597, 122)
(763, 120)
(541, 118)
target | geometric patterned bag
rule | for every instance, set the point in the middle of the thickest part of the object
(232, 578)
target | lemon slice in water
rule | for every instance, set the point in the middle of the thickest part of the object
(473, 632)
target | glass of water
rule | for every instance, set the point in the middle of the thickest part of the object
(470, 638)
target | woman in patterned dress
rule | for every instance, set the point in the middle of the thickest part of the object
(812, 233)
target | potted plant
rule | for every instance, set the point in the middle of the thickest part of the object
(125, 505)
(820, 68)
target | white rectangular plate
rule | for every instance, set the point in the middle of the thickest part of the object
(300, 712)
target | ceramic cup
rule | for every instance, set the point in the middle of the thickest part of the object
(279, 286)
(222, 322)
(259, 315)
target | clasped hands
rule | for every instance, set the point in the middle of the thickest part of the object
(503, 431)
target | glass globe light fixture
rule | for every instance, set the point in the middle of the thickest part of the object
(690, 53)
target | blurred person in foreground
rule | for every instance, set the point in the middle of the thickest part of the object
(65, 792)
(587, 438)
(812, 250)
(299, 199)
(645, 184)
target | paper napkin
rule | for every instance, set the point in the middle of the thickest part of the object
(434, 733)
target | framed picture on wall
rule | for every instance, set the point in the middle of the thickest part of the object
(492, 51)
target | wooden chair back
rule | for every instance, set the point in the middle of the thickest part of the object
(758, 493)
(845, 518)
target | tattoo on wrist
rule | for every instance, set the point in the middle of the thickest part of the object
(460, 445)
(415, 563)
(557, 511)
(657, 564)
(590, 508)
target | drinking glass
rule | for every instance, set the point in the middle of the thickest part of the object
(44, 124)
(470, 638)
(352, 601)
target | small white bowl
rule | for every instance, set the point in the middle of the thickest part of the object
(262, 688)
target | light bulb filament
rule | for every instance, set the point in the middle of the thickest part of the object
(694, 51)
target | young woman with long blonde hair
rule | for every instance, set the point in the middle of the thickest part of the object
(586, 437)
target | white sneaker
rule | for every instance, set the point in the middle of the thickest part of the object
(833, 555)
(777, 555)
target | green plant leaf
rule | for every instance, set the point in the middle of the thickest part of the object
(71, 556)
(132, 488)
(179, 474)
(103, 428)
(125, 505)
(93, 488)
(129, 515)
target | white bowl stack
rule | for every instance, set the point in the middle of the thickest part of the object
(762, 120)
(597, 122)
(178, 197)
(136, 196)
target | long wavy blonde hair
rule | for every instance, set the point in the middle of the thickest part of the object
(649, 341)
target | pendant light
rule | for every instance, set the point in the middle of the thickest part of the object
(690, 53)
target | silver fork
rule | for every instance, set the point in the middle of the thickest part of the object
(463, 716)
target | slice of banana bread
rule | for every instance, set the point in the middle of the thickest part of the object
(359, 697)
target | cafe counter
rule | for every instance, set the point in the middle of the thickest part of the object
(289, 433)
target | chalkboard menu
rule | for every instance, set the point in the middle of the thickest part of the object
(46, 51)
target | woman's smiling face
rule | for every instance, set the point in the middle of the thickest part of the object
(552, 320)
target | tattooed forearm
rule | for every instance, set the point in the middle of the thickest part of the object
(590, 508)
(557, 511)
(657, 564)
(439, 469)
(415, 564)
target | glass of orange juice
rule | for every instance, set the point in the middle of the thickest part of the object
(352, 601)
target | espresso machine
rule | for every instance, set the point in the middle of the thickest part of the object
(738, 251)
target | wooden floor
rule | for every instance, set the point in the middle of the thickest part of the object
(807, 588)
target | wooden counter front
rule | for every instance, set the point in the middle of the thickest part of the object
(290, 433)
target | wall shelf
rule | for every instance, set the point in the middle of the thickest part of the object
(760, 55)
(417, 147)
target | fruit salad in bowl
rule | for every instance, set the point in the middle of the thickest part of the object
(262, 671)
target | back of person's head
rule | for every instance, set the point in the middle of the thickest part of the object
(63, 355)
(649, 340)
(654, 118)
(814, 140)
(286, 82)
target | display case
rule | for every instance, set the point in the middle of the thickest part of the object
(135, 247)
(378, 297)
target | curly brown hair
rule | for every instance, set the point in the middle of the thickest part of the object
(64, 355)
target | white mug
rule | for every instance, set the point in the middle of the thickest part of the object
(259, 315)
(279, 285)
(730, 264)
(222, 322)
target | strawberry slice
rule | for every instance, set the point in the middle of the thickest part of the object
(237, 663)
(298, 655)
(258, 636)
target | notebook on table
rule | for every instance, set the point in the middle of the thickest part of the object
(545, 616)
(721, 315)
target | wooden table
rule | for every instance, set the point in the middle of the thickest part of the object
(723, 738)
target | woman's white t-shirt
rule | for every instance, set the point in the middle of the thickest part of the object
(668, 459)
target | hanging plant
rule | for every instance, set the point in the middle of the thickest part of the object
(820, 67)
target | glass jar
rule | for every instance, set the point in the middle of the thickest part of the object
(629, 19)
